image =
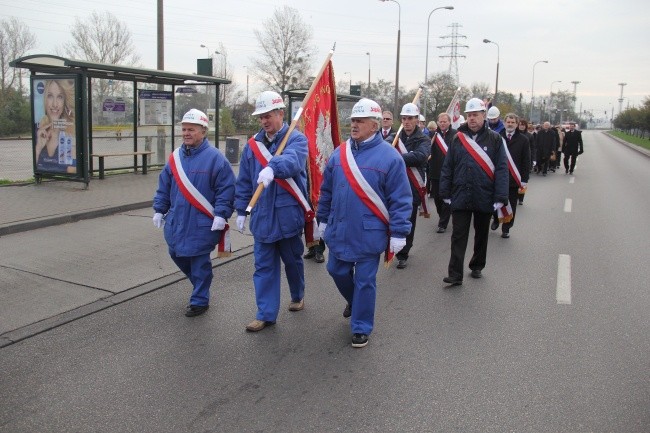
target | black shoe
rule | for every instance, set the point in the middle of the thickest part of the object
(495, 225)
(552, 169)
(452, 281)
(401, 263)
(571, 172)
(318, 257)
(196, 310)
(348, 311)
(505, 235)
(566, 171)
(543, 174)
(441, 230)
(521, 202)
(476, 273)
(359, 340)
(310, 254)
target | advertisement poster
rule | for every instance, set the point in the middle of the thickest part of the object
(55, 139)
(155, 107)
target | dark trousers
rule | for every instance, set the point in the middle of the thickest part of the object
(513, 196)
(542, 166)
(574, 158)
(404, 253)
(461, 220)
(443, 209)
(558, 158)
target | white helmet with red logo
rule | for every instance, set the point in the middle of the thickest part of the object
(195, 116)
(268, 101)
(410, 109)
(474, 104)
(366, 108)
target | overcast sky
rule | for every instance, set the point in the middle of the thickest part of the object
(599, 43)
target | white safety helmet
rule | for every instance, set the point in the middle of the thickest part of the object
(493, 113)
(422, 119)
(410, 109)
(366, 108)
(474, 104)
(268, 101)
(195, 116)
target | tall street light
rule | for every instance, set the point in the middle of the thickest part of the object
(550, 98)
(399, 31)
(246, 84)
(496, 86)
(208, 49)
(350, 74)
(426, 61)
(575, 88)
(532, 89)
(368, 54)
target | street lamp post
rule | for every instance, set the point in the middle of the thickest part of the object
(575, 88)
(246, 84)
(368, 54)
(350, 74)
(208, 49)
(532, 89)
(550, 99)
(496, 85)
(426, 61)
(399, 32)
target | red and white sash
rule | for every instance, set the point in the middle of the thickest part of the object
(416, 180)
(479, 155)
(504, 213)
(196, 199)
(263, 156)
(441, 143)
(364, 191)
(512, 168)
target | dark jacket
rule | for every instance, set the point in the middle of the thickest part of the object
(464, 181)
(572, 142)
(545, 141)
(437, 157)
(417, 146)
(519, 148)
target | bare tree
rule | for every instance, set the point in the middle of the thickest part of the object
(15, 41)
(102, 38)
(286, 50)
(440, 90)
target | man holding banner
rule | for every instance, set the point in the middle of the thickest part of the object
(194, 199)
(278, 219)
(474, 182)
(364, 208)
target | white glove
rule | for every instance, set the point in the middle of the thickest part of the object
(158, 220)
(396, 244)
(265, 176)
(321, 230)
(446, 200)
(241, 220)
(524, 184)
(498, 206)
(534, 163)
(218, 224)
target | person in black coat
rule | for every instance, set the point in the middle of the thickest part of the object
(572, 147)
(546, 144)
(447, 134)
(519, 149)
(525, 129)
(417, 153)
(475, 185)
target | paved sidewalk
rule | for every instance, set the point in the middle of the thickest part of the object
(53, 272)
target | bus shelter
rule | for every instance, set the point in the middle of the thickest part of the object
(62, 98)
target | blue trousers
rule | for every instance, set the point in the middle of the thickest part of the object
(357, 282)
(266, 277)
(199, 271)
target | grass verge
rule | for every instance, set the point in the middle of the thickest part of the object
(643, 142)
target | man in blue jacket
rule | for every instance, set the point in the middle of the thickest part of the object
(278, 218)
(364, 208)
(474, 182)
(194, 199)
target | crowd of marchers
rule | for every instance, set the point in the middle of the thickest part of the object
(375, 186)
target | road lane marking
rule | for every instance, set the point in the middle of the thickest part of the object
(563, 287)
(572, 180)
(567, 205)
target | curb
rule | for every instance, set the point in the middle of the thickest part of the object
(639, 149)
(12, 228)
(27, 331)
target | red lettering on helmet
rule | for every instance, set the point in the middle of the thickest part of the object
(276, 101)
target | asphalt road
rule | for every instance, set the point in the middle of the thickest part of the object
(554, 338)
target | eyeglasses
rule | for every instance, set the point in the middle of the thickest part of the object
(387, 118)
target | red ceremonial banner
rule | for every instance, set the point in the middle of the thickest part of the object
(320, 123)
